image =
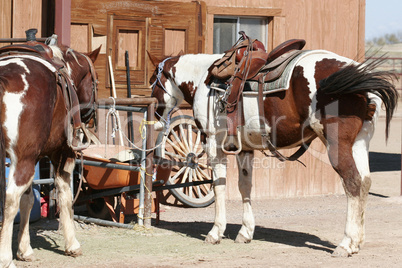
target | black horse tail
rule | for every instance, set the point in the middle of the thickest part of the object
(363, 78)
(2, 160)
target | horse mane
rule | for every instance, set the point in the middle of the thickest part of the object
(363, 78)
(58, 53)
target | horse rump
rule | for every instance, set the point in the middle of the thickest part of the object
(364, 78)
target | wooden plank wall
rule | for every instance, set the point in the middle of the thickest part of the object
(17, 16)
(5, 19)
(26, 15)
(161, 20)
(336, 26)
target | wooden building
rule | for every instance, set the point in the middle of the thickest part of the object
(209, 26)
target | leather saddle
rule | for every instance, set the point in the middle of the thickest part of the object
(32, 47)
(254, 63)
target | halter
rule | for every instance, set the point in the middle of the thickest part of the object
(161, 66)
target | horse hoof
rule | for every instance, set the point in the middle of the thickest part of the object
(210, 240)
(74, 253)
(9, 265)
(241, 239)
(26, 258)
(340, 252)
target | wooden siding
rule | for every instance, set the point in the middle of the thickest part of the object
(27, 14)
(337, 26)
(18, 16)
(5, 19)
(162, 28)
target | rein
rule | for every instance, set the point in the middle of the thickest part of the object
(161, 66)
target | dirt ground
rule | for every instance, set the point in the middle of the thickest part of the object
(294, 232)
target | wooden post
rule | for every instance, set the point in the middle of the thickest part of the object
(62, 24)
(149, 166)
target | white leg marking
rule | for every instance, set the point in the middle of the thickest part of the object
(13, 195)
(245, 165)
(355, 221)
(218, 164)
(64, 200)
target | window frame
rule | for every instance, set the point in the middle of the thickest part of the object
(137, 73)
(238, 18)
(271, 14)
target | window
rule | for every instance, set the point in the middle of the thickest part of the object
(127, 33)
(175, 41)
(226, 29)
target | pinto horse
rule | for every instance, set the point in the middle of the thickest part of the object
(34, 117)
(329, 96)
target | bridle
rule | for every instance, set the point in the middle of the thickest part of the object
(91, 105)
(161, 66)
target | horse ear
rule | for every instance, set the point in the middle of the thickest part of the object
(181, 53)
(94, 54)
(155, 61)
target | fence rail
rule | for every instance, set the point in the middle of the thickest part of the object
(391, 64)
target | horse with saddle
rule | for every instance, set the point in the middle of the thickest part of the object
(248, 60)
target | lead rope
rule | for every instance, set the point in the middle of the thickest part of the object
(113, 113)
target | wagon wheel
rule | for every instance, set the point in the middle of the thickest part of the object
(183, 144)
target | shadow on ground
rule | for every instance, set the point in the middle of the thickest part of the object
(384, 162)
(199, 230)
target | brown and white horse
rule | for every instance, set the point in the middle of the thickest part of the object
(33, 120)
(329, 96)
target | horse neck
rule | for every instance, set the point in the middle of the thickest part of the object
(72, 61)
(191, 71)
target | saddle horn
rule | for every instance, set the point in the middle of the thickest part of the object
(31, 34)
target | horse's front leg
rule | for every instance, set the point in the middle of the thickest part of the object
(64, 166)
(245, 166)
(218, 163)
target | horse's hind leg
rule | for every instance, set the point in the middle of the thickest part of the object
(350, 160)
(245, 165)
(64, 166)
(25, 252)
(18, 184)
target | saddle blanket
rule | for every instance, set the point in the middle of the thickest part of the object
(282, 83)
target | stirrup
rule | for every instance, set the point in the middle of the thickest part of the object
(239, 149)
(76, 143)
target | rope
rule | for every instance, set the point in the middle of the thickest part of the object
(113, 113)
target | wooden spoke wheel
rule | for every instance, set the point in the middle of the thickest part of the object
(182, 145)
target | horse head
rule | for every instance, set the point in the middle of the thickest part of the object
(165, 88)
(80, 67)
